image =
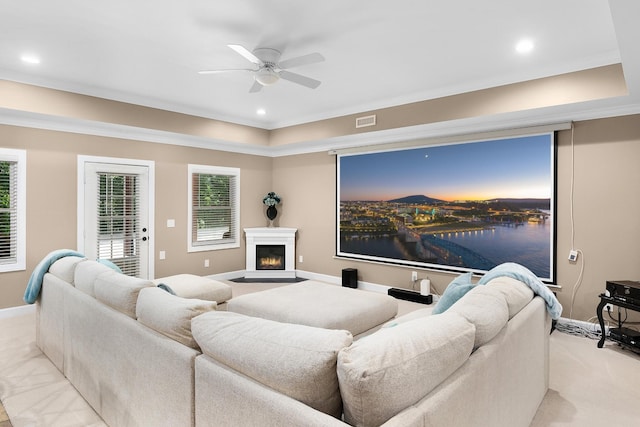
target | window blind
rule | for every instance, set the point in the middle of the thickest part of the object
(118, 209)
(8, 212)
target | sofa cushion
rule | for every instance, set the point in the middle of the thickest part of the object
(516, 293)
(392, 369)
(86, 273)
(170, 314)
(486, 308)
(65, 268)
(192, 286)
(119, 291)
(296, 360)
(110, 264)
(415, 314)
(454, 291)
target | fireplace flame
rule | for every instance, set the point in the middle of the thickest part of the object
(271, 262)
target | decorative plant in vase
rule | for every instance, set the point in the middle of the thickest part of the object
(271, 200)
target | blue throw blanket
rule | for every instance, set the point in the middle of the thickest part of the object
(521, 273)
(166, 288)
(35, 281)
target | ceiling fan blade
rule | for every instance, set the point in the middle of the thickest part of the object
(300, 79)
(224, 71)
(245, 53)
(257, 87)
(311, 58)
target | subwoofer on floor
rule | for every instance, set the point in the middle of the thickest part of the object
(350, 277)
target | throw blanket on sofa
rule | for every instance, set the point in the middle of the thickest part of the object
(35, 281)
(523, 274)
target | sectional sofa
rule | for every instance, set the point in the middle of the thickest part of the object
(143, 357)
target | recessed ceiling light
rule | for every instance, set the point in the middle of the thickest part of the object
(30, 59)
(524, 46)
(261, 111)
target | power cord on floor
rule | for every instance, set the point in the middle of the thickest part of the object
(589, 329)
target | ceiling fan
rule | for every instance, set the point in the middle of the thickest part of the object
(269, 70)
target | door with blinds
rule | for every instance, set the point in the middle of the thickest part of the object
(117, 216)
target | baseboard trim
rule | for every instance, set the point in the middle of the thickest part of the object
(227, 276)
(367, 286)
(20, 310)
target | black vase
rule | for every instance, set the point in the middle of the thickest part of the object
(272, 212)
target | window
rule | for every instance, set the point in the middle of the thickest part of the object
(214, 208)
(118, 217)
(12, 209)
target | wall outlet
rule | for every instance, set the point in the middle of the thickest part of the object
(573, 255)
(608, 308)
(206, 263)
(414, 276)
(162, 255)
(300, 259)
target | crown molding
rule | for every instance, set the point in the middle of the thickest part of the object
(589, 110)
(547, 116)
(110, 130)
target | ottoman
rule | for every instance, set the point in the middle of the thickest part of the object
(318, 304)
(192, 286)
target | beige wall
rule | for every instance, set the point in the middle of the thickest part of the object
(606, 200)
(606, 207)
(586, 85)
(52, 205)
(40, 100)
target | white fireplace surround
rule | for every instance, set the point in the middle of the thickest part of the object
(271, 236)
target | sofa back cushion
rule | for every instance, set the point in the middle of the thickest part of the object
(455, 290)
(392, 369)
(65, 268)
(85, 275)
(170, 314)
(486, 308)
(119, 291)
(412, 315)
(516, 293)
(296, 360)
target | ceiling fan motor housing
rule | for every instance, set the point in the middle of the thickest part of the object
(267, 55)
(267, 75)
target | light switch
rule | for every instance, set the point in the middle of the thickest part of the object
(162, 255)
(171, 223)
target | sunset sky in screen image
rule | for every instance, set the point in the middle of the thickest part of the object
(505, 168)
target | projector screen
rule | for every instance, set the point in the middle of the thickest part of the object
(464, 206)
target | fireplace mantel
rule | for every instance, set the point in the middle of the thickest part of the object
(271, 236)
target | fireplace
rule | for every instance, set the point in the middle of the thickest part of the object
(270, 252)
(270, 257)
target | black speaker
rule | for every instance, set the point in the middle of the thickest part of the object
(350, 277)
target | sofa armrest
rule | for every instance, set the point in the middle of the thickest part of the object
(502, 383)
(50, 319)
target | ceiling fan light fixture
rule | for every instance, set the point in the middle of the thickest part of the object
(266, 76)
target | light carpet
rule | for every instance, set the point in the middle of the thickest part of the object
(588, 386)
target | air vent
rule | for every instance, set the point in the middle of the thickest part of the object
(365, 121)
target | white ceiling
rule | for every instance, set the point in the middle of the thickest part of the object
(378, 53)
